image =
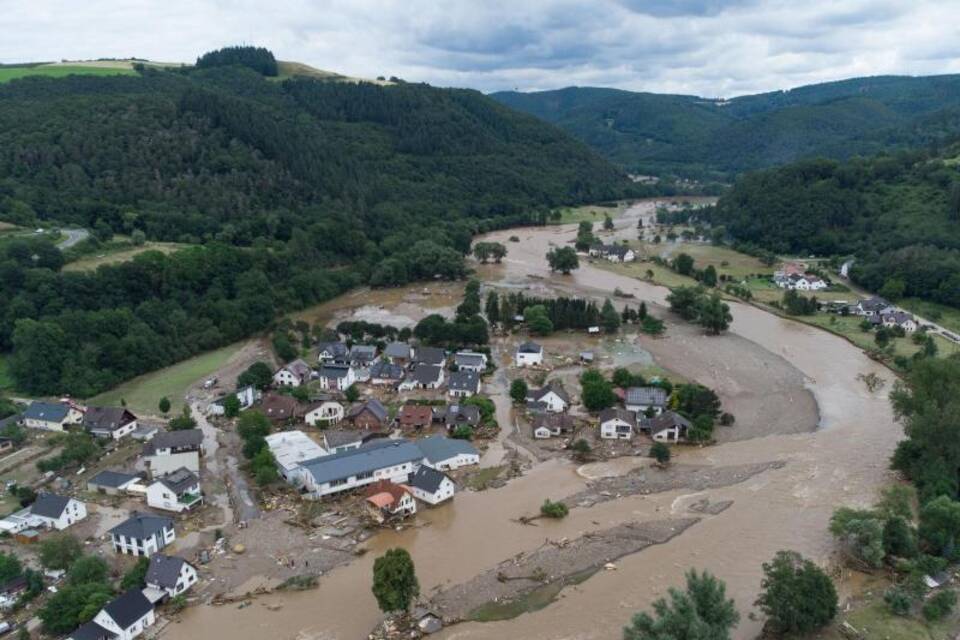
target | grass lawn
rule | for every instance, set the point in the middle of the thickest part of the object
(593, 213)
(122, 253)
(144, 392)
(849, 327)
(661, 275)
(948, 317)
(59, 71)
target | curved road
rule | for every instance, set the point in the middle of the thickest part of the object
(74, 236)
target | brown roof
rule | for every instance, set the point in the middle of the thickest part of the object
(553, 421)
(279, 407)
(414, 414)
(395, 491)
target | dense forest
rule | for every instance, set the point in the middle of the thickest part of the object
(706, 138)
(291, 191)
(899, 215)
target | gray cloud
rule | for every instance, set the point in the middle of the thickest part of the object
(704, 47)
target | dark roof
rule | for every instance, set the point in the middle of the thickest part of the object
(338, 437)
(14, 419)
(106, 418)
(278, 407)
(91, 631)
(529, 347)
(427, 479)
(14, 585)
(114, 479)
(142, 525)
(653, 396)
(373, 405)
(386, 370)
(335, 349)
(335, 371)
(181, 439)
(369, 457)
(468, 359)
(609, 414)
(426, 373)
(873, 304)
(464, 381)
(461, 414)
(397, 350)
(363, 352)
(665, 420)
(164, 570)
(128, 608)
(429, 355)
(537, 394)
(179, 481)
(553, 421)
(439, 448)
(47, 411)
(49, 505)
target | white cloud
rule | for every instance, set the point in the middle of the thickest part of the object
(706, 47)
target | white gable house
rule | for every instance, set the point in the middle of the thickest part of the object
(617, 424)
(529, 354)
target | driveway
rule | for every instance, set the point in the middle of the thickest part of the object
(217, 457)
(73, 236)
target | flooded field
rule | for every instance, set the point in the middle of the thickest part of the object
(788, 376)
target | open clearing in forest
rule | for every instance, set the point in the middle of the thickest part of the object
(121, 254)
(60, 71)
(592, 212)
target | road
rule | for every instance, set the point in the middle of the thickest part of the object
(74, 236)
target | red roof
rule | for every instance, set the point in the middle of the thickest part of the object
(384, 493)
(415, 414)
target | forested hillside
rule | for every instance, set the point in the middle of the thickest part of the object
(293, 191)
(699, 137)
(898, 214)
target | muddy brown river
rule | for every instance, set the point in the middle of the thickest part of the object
(844, 462)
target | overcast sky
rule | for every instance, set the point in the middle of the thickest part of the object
(713, 48)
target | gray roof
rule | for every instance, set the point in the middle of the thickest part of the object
(335, 371)
(47, 411)
(439, 448)
(107, 418)
(427, 479)
(386, 370)
(874, 304)
(397, 350)
(461, 414)
(653, 396)
(181, 439)
(14, 419)
(142, 525)
(622, 414)
(537, 394)
(49, 505)
(338, 437)
(529, 347)
(426, 373)
(335, 349)
(129, 607)
(374, 406)
(164, 571)
(179, 481)
(464, 381)
(91, 631)
(363, 352)
(665, 420)
(468, 359)
(429, 355)
(364, 459)
(114, 479)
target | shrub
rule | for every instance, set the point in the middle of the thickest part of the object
(660, 452)
(550, 509)
(940, 605)
(898, 601)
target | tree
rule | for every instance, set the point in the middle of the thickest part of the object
(940, 526)
(899, 538)
(660, 452)
(257, 374)
(563, 259)
(58, 552)
(609, 317)
(683, 264)
(709, 276)
(231, 406)
(73, 605)
(556, 510)
(685, 302)
(518, 390)
(284, 347)
(862, 534)
(492, 307)
(164, 405)
(796, 595)
(136, 576)
(352, 394)
(607, 222)
(596, 392)
(714, 314)
(700, 612)
(10, 567)
(182, 422)
(87, 569)
(893, 289)
(537, 320)
(395, 582)
(940, 605)
(499, 251)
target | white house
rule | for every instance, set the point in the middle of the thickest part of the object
(178, 491)
(399, 353)
(470, 361)
(548, 425)
(294, 374)
(667, 427)
(386, 499)
(552, 397)
(463, 384)
(617, 424)
(170, 574)
(324, 413)
(385, 373)
(109, 422)
(171, 450)
(431, 486)
(337, 377)
(290, 449)
(58, 512)
(247, 396)
(333, 352)
(447, 454)
(125, 617)
(640, 399)
(381, 459)
(51, 416)
(423, 376)
(873, 307)
(900, 319)
(142, 534)
(529, 354)
(362, 355)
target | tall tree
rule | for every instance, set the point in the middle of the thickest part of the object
(563, 259)
(796, 595)
(395, 582)
(700, 612)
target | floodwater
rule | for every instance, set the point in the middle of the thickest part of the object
(845, 462)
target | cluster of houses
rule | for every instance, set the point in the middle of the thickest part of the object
(880, 313)
(644, 411)
(795, 277)
(613, 252)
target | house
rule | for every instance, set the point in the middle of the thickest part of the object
(387, 500)
(470, 361)
(875, 306)
(529, 354)
(447, 454)
(640, 399)
(415, 416)
(399, 353)
(57, 512)
(290, 449)
(126, 616)
(293, 374)
(900, 319)
(170, 574)
(381, 459)
(178, 491)
(279, 408)
(337, 377)
(51, 416)
(109, 422)
(553, 397)
(370, 415)
(111, 483)
(613, 252)
(617, 424)
(667, 427)
(323, 412)
(171, 450)
(11, 590)
(333, 353)
(799, 281)
(385, 373)
(142, 534)
(548, 425)
(362, 355)
(247, 396)
(337, 441)
(432, 356)
(431, 486)
(463, 384)
(423, 376)
(458, 415)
